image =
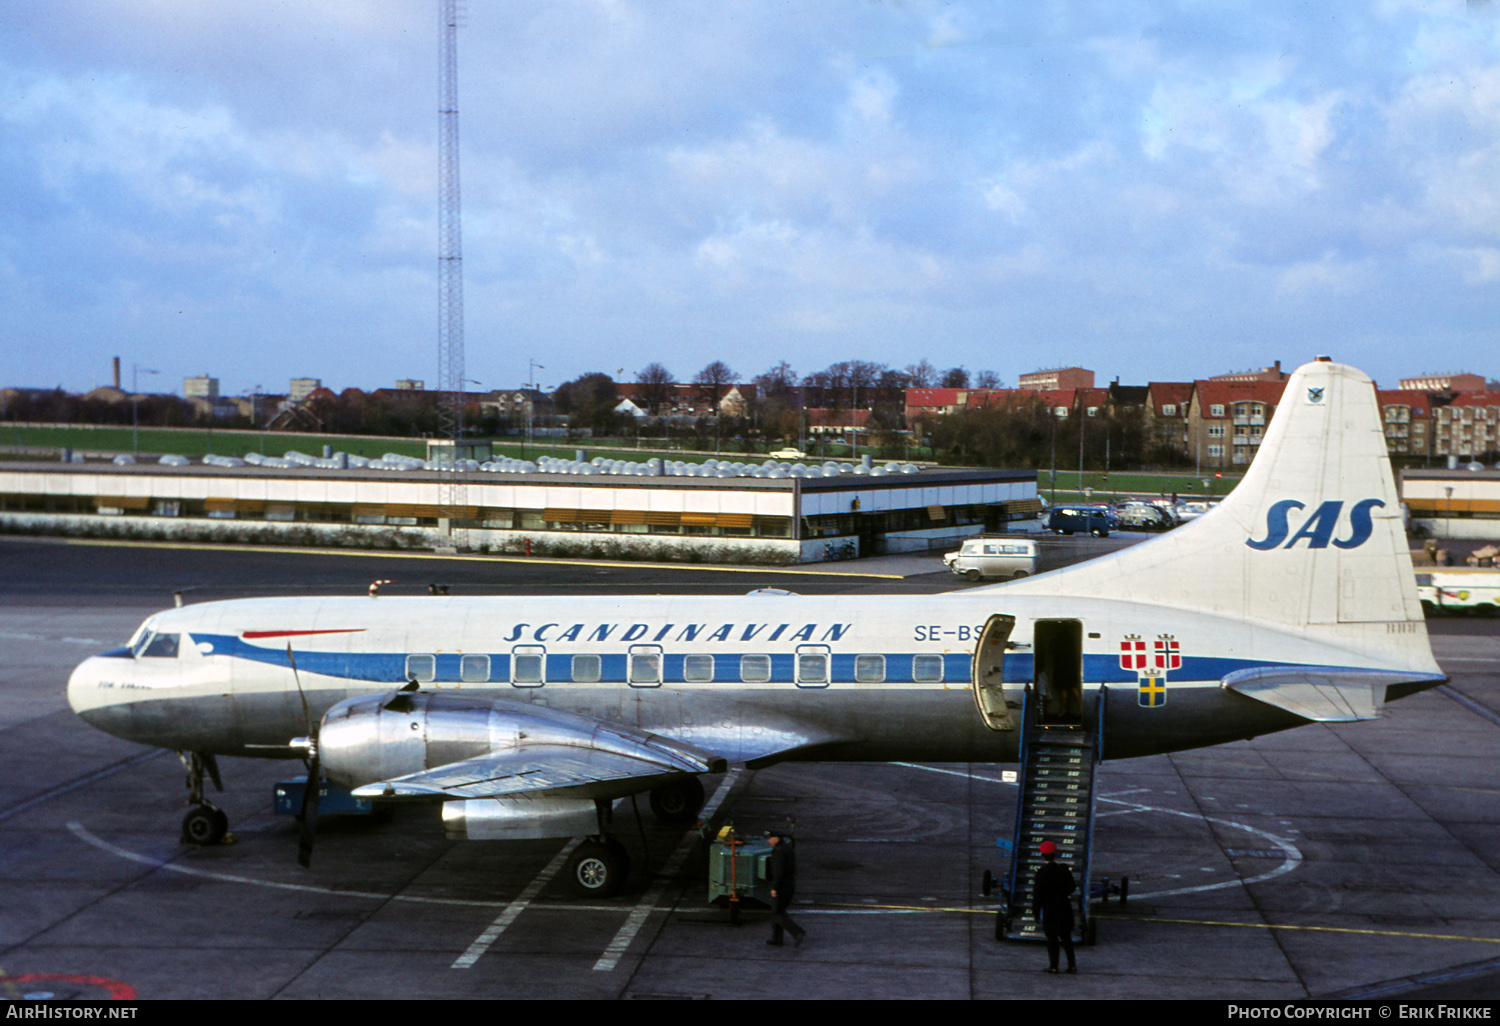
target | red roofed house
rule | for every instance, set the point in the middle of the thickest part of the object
(1468, 427)
(1167, 404)
(1227, 419)
(1407, 416)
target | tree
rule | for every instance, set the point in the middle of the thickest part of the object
(987, 379)
(955, 377)
(655, 387)
(714, 381)
(589, 401)
(921, 375)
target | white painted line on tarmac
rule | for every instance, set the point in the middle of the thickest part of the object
(643, 909)
(1292, 856)
(494, 930)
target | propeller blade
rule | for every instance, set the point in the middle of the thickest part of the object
(309, 814)
(297, 679)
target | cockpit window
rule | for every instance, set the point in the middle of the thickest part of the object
(161, 646)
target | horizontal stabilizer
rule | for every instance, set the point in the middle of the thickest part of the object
(556, 770)
(1318, 693)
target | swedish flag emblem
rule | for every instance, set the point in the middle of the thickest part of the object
(1152, 692)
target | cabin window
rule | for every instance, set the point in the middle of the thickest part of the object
(528, 666)
(698, 668)
(161, 646)
(421, 668)
(645, 665)
(869, 669)
(755, 669)
(474, 669)
(927, 668)
(585, 669)
(812, 665)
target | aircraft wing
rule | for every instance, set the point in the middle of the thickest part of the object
(551, 770)
(1323, 694)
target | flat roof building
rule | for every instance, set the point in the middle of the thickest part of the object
(616, 514)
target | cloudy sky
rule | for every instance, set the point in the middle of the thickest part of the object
(1161, 191)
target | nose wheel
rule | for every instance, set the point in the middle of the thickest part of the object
(205, 823)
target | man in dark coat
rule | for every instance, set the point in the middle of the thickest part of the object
(1051, 904)
(783, 873)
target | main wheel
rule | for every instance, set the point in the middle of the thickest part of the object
(204, 825)
(594, 871)
(972, 574)
(679, 801)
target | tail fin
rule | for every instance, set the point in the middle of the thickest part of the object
(1312, 538)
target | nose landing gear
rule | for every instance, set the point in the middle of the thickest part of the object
(205, 823)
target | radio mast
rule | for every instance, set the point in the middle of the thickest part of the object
(450, 267)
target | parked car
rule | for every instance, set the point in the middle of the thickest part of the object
(788, 454)
(1144, 516)
(993, 557)
(1080, 520)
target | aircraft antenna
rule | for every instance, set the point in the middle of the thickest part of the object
(450, 267)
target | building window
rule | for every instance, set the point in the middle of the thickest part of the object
(1169, 410)
(1216, 410)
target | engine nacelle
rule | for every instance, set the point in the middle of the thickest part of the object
(378, 737)
(517, 819)
(382, 737)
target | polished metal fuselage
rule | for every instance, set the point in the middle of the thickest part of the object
(253, 674)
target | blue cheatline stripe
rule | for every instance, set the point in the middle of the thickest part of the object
(390, 667)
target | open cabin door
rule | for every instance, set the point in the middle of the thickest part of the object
(989, 672)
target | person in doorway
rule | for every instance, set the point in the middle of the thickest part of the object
(1051, 903)
(783, 872)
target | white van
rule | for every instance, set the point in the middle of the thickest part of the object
(993, 557)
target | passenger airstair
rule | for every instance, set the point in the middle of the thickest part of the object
(1056, 803)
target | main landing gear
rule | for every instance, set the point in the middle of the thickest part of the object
(205, 823)
(600, 865)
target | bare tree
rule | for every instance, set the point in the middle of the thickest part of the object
(921, 375)
(987, 379)
(714, 381)
(655, 386)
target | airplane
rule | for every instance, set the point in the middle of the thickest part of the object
(1293, 601)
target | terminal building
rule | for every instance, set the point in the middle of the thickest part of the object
(1453, 503)
(706, 519)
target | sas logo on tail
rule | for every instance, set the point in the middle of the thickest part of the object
(1319, 528)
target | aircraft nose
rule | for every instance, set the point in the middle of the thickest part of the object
(84, 692)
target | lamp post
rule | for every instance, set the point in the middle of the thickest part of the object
(135, 417)
(1448, 516)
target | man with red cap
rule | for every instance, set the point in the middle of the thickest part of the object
(1051, 904)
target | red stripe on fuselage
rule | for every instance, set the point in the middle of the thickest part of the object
(295, 634)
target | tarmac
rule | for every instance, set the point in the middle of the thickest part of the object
(1357, 861)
